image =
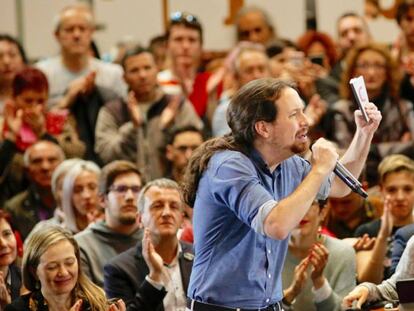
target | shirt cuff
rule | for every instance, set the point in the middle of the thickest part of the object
(264, 210)
(325, 188)
(322, 293)
(157, 285)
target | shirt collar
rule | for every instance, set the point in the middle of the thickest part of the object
(257, 159)
(175, 260)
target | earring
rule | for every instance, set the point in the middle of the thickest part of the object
(37, 285)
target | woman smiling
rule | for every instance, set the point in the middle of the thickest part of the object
(52, 274)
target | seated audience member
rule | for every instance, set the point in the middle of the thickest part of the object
(54, 278)
(401, 238)
(319, 270)
(184, 76)
(10, 249)
(250, 63)
(36, 203)
(57, 190)
(154, 275)
(397, 188)
(369, 292)
(134, 129)
(26, 122)
(12, 60)
(253, 24)
(346, 214)
(396, 130)
(181, 144)
(80, 200)
(119, 185)
(78, 82)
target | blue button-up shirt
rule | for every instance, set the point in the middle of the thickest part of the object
(236, 265)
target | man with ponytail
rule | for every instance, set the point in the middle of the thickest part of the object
(249, 189)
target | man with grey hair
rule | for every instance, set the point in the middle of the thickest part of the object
(36, 203)
(254, 24)
(154, 275)
(250, 63)
(78, 81)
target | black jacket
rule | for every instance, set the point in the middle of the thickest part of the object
(124, 277)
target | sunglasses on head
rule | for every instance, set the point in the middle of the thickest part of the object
(180, 17)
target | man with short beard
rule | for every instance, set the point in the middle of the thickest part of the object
(119, 185)
(249, 189)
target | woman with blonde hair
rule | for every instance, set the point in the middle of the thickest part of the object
(53, 275)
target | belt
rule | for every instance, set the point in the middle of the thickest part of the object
(194, 305)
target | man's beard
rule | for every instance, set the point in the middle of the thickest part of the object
(299, 148)
(127, 219)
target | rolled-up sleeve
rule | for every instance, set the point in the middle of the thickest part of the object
(236, 185)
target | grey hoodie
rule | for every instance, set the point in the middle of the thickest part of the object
(98, 244)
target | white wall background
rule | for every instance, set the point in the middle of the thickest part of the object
(8, 17)
(142, 19)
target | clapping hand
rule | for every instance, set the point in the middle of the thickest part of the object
(13, 119)
(387, 222)
(133, 109)
(119, 305)
(80, 86)
(318, 258)
(36, 120)
(152, 258)
(364, 243)
(169, 113)
(300, 277)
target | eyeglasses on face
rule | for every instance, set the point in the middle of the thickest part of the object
(123, 189)
(179, 17)
(375, 66)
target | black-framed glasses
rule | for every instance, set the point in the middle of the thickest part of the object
(123, 189)
(180, 17)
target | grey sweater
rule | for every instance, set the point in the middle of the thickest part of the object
(340, 272)
(98, 244)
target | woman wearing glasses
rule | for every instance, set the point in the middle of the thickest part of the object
(374, 63)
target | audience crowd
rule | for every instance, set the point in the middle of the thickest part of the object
(92, 156)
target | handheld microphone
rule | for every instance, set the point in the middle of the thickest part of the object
(349, 179)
